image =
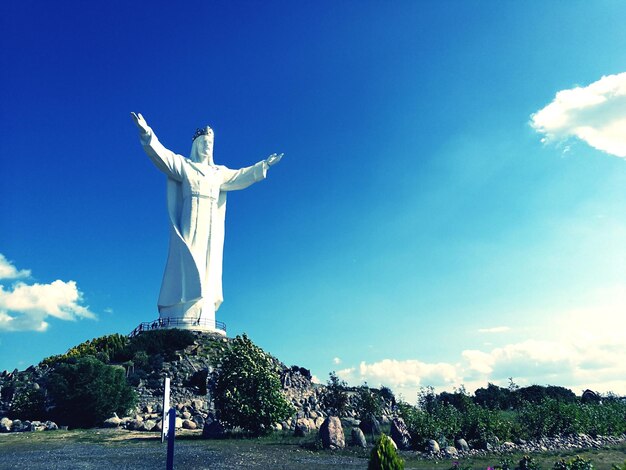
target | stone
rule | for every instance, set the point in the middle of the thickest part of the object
(462, 445)
(370, 426)
(148, 425)
(51, 426)
(5, 424)
(302, 429)
(178, 423)
(400, 434)
(199, 420)
(213, 430)
(358, 438)
(277, 427)
(112, 422)
(318, 422)
(147, 409)
(331, 433)
(158, 427)
(349, 422)
(186, 415)
(451, 452)
(18, 426)
(189, 424)
(432, 446)
(134, 425)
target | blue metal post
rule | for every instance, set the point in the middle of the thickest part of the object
(170, 439)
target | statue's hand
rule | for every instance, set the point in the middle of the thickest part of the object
(273, 159)
(140, 122)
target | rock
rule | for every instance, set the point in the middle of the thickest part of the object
(51, 426)
(370, 426)
(432, 446)
(134, 425)
(189, 424)
(358, 438)
(508, 445)
(400, 434)
(302, 428)
(461, 444)
(147, 409)
(178, 423)
(5, 424)
(331, 433)
(213, 430)
(277, 427)
(18, 426)
(186, 415)
(451, 452)
(158, 427)
(37, 426)
(350, 422)
(199, 420)
(148, 425)
(113, 422)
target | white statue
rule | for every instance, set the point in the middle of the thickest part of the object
(196, 202)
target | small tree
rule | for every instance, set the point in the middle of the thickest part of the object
(335, 398)
(368, 404)
(86, 392)
(247, 391)
(384, 456)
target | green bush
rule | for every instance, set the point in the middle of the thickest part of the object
(165, 342)
(577, 463)
(527, 463)
(104, 347)
(384, 456)
(86, 391)
(368, 403)
(247, 391)
(335, 398)
(28, 403)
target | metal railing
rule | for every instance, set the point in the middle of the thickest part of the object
(185, 323)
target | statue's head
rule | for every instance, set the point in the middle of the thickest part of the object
(202, 146)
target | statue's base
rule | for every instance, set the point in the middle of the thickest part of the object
(204, 326)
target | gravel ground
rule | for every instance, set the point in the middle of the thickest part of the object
(16, 451)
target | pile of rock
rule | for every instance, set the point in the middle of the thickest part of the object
(17, 425)
(189, 415)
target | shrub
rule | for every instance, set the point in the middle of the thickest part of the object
(335, 398)
(165, 342)
(384, 456)
(577, 463)
(527, 463)
(104, 347)
(368, 404)
(85, 392)
(28, 403)
(247, 390)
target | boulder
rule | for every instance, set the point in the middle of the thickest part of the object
(18, 426)
(199, 420)
(186, 415)
(331, 433)
(51, 426)
(451, 452)
(148, 425)
(302, 428)
(461, 444)
(400, 434)
(213, 430)
(135, 425)
(370, 426)
(178, 423)
(432, 446)
(112, 422)
(358, 438)
(5, 424)
(189, 424)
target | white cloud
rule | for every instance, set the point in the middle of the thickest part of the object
(336, 360)
(26, 307)
(595, 114)
(495, 329)
(8, 271)
(579, 348)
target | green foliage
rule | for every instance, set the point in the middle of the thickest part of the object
(28, 403)
(368, 403)
(387, 395)
(247, 390)
(619, 467)
(384, 456)
(165, 342)
(105, 348)
(577, 463)
(335, 398)
(86, 392)
(527, 463)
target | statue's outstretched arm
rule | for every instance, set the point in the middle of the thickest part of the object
(165, 160)
(244, 177)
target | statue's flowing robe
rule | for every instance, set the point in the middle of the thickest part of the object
(196, 203)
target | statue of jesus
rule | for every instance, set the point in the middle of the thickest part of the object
(191, 290)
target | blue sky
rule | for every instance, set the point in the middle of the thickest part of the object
(429, 224)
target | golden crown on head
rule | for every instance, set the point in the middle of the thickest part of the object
(201, 131)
